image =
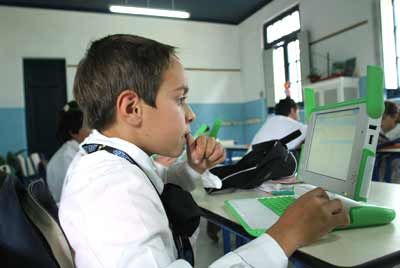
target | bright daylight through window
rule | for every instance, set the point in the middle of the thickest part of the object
(390, 18)
(281, 35)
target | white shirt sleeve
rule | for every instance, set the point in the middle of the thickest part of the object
(182, 174)
(263, 251)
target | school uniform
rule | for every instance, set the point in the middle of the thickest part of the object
(58, 166)
(278, 126)
(394, 133)
(113, 217)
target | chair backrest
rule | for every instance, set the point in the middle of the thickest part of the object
(35, 160)
(29, 234)
(6, 169)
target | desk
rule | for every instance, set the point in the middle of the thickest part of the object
(364, 247)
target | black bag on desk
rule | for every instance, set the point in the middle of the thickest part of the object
(267, 161)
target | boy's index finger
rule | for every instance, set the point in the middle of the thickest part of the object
(342, 218)
(192, 148)
(190, 140)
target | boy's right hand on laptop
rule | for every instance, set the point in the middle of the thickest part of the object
(310, 217)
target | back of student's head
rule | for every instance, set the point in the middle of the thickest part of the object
(116, 63)
(391, 109)
(70, 121)
(285, 106)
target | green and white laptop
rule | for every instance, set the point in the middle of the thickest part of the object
(338, 155)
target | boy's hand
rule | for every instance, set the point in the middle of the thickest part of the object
(204, 152)
(310, 217)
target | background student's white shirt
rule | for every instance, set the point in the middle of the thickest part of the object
(113, 217)
(394, 133)
(58, 165)
(277, 127)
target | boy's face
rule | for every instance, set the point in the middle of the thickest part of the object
(167, 124)
(388, 123)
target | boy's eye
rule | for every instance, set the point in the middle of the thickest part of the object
(182, 99)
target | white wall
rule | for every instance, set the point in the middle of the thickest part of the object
(49, 33)
(320, 18)
(43, 33)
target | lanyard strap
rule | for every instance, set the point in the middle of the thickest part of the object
(92, 147)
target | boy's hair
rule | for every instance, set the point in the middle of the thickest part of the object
(70, 121)
(116, 63)
(391, 109)
(284, 106)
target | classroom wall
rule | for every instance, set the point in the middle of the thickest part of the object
(320, 18)
(236, 96)
(40, 33)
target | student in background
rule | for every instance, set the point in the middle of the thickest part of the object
(116, 208)
(282, 124)
(394, 134)
(70, 132)
(388, 122)
(388, 134)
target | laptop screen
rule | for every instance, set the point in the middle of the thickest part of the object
(332, 142)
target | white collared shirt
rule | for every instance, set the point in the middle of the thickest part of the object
(277, 127)
(58, 166)
(113, 217)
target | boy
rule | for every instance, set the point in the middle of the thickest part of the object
(282, 124)
(133, 92)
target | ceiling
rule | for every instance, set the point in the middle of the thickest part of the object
(219, 11)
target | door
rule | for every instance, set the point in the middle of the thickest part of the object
(45, 95)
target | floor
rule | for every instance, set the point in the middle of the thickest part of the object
(207, 250)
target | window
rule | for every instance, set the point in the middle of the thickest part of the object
(390, 18)
(280, 34)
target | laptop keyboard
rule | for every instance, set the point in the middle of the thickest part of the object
(277, 204)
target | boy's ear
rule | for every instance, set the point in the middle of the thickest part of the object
(129, 108)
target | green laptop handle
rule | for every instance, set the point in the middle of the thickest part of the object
(364, 216)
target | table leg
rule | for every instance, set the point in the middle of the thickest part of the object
(226, 234)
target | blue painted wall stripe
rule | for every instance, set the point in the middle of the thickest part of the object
(12, 130)
(242, 134)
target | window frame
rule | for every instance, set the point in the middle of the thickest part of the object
(275, 19)
(284, 40)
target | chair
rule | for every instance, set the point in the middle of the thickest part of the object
(29, 232)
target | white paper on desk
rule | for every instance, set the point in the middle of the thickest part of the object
(255, 214)
(277, 185)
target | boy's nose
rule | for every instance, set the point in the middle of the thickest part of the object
(189, 114)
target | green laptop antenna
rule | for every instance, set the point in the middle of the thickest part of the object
(309, 102)
(375, 103)
(201, 130)
(215, 128)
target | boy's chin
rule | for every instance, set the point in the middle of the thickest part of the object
(174, 153)
(177, 153)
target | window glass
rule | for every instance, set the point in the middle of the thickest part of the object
(390, 55)
(279, 73)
